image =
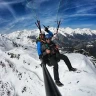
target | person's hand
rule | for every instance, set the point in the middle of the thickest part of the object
(57, 47)
(47, 51)
(46, 29)
(40, 57)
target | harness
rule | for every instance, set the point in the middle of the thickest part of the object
(52, 48)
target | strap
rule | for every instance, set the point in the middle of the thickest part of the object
(58, 25)
(38, 25)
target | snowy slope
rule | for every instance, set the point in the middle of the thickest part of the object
(23, 76)
(5, 43)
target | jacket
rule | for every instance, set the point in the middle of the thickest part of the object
(39, 44)
(51, 46)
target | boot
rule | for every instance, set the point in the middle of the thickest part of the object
(73, 69)
(58, 83)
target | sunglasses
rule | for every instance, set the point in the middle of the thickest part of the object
(48, 39)
(42, 34)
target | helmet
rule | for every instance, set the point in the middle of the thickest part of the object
(43, 33)
(47, 36)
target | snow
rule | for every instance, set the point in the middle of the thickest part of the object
(23, 76)
(71, 31)
(94, 31)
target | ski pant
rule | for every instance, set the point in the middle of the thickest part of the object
(54, 61)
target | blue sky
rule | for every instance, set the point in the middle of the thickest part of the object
(21, 14)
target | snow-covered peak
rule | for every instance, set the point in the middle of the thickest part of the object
(23, 33)
(21, 37)
(78, 31)
(68, 30)
(94, 32)
(63, 31)
(71, 31)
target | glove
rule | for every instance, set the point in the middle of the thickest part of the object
(46, 29)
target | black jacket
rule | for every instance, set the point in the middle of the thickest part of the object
(51, 46)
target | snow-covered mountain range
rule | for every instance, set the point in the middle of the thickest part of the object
(21, 73)
(71, 31)
(62, 31)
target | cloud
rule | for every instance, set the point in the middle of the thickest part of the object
(78, 6)
(69, 11)
(80, 15)
(69, 17)
(4, 5)
(83, 7)
(35, 4)
(28, 22)
(3, 20)
(20, 23)
(83, 26)
(49, 20)
(11, 1)
(86, 9)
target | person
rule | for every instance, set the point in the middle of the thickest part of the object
(41, 40)
(51, 56)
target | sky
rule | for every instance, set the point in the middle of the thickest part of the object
(22, 14)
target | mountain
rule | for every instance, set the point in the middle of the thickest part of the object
(68, 39)
(76, 39)
(21, 73)
(71, 31)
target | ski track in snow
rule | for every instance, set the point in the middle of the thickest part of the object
(24, 76)
(34, 73)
